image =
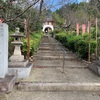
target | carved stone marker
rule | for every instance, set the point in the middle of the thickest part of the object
(3, 49)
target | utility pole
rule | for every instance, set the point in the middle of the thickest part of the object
(28, 38)
(25, 27)
(96, 36)
(89, 41)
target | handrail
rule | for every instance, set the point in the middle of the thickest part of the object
(64, 53)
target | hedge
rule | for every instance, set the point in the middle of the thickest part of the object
(78, 44)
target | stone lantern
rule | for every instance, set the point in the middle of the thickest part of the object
(17, 63)
(17, 56)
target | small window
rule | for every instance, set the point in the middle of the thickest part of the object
(16, 39)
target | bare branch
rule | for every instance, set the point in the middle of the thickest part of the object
(12, 19)
(41, 4)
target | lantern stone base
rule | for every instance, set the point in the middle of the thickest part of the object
(22, 72)
(16, 58)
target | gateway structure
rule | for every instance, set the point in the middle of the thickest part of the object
(48, 24)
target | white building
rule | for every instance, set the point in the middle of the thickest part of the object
(48, 24)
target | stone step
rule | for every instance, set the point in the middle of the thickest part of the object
(58, 63)
(7, 83)
(48, 51)
(49, 48)
(70, 95)
(55, 75)
(55, 57)
(57, 53)
(43, 44)
(58, 87)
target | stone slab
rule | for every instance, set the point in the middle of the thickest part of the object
(22, 72)
(7, 83)
(3, 49)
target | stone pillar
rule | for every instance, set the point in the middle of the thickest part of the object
(77, 29)
(83, 29)
(3, 49)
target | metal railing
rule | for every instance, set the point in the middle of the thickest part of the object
(54, 45)
(64, 53)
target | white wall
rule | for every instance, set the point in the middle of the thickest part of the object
(46, 26)
(3, 49)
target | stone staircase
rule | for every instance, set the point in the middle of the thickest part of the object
(48, 81)
(47, 75)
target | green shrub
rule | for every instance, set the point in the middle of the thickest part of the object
(72, 41)
(34, 43)
(77, 44)
(62, 37)
(82, 48)
(35, 39)
(93, 46)
(11, 46)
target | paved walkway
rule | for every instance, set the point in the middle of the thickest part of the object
(47, 82)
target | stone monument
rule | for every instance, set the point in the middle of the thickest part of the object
(17, 63)
(6, 81)
(3, 49)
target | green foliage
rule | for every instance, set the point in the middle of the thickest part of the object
(77, 44)
(11, 46)
(34, 42)
(62, 37)
(82, 48)
(35, 39)
(59, 20)
(72, 41)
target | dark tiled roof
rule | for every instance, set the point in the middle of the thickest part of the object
(48, 18)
